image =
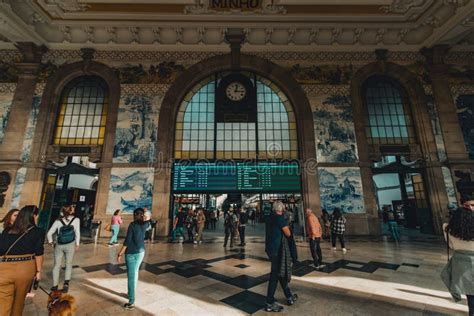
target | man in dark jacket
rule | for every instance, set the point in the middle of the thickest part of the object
(276, 229)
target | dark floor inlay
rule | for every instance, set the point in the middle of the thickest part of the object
(411, 265)
(242, 266)
(247, 301)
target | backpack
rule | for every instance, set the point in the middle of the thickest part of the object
(66, 233)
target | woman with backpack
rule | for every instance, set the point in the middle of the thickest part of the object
(68, 237)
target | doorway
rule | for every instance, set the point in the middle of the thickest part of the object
(72, 182)
(400, 189)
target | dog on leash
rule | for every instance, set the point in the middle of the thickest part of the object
(60, 304)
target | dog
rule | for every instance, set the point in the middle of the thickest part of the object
(60, 304)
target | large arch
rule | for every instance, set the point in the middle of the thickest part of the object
(184, 85)
(425, 148)
(41, 148)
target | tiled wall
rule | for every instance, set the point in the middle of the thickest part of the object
(5, 103)
(137, 125)
(130, 188)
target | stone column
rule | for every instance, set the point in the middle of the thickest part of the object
(12, 145)
(448, 117)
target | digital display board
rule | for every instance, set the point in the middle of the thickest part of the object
(236, 177)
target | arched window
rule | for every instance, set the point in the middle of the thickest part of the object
(389, 114)
(272, 136)
(82, 112)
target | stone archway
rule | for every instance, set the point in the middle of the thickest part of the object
(190, 78)
(424, 149)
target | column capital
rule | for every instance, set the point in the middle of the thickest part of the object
(436, 54)
(31, 52)
(27, 70)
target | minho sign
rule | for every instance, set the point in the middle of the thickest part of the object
(243, 5)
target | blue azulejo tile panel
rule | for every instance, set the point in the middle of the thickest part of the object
(30, 128)
(137, 124)
(341, 187)
(130, 188)
(5, 104)
(334, 128)
(448, 182)
(465, 109)
(19, 181)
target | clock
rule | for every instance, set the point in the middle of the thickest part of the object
(235, 91)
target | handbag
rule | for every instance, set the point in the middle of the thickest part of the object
(15, 242)
(108, 228)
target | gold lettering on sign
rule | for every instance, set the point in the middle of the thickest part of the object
(243, 5)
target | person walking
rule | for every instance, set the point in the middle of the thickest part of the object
(393, 226)
(148, 219)
(9, 218)
(458, 274)
(243, 220)
(68, 237)
(21, 260)
(189, 223)
(134, 250)
(115, 227)
(200, 224)
(314, 231)
(230, 224)
(338, 228)
(178, 225)
(281, 251)
(213, 219)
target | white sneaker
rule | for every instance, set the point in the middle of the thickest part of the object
(333, 248)
(195, 242)
(344, 250)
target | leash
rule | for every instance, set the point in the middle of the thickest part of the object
(54, 300)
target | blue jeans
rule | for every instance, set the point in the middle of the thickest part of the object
(178, 231)
(393, 227)
(133, 262)
(115, 231)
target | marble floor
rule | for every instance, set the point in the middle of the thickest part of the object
(374, 277)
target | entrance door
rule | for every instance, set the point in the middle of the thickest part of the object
(422, 207)
(47, 201)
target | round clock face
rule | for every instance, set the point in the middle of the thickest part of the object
(235, 91)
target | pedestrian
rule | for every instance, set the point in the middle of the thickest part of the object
(134, 250)
(458, 274)
(68, 236)
(9, 218)
(21, 260)
(115, 223)
(178, 225)
(314, 230)
(338, 228)
(200, 224)
(326, 224)
(230, 224)
(393, 226)
(148, 220)
(213, 219)
(243, 219)
(189, 223)
(207, 221)
(281, 250)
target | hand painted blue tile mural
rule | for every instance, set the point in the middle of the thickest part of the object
(19, 181)
(465, 107)
(334, 128)
(130, 188)
(448, 182)
(30, 128)
(341, 187)
(136, 129)
(436, 126)
(5, 103)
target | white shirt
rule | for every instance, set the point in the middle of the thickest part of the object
(456, 243)
(57, 225)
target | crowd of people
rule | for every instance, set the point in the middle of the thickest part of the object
(22, 247)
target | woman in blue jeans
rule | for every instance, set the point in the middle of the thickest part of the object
(134, 250)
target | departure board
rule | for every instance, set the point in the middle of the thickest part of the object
(236, 177)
